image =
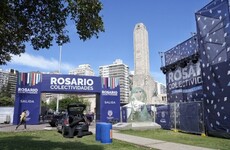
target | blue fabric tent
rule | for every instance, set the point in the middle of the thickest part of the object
(207, 79)
(213, 31)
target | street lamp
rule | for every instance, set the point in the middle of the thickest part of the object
(59, 72)
(60, 48)
(161, 55)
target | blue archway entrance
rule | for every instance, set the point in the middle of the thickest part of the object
(31, 85)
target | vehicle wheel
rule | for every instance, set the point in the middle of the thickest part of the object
(58, 130)
(63, 132)
(71, 132)
(79, 134)
(52, 124)
(56, 123)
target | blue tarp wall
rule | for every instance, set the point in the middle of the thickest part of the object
(213, 31)
(198, 69)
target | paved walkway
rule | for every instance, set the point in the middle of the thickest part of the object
(150, 143)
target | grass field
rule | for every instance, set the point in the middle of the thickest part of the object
(52, 140)
(184, 138)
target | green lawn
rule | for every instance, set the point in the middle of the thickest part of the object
(52, 140)
(184, 138)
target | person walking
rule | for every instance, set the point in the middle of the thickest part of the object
(22, 119)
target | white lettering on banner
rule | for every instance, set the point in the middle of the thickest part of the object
(71, 83)
(162, 120)
(69, 87)
(185, 83)
(28, 90)
(110, 93)
(184, 73)
(185, 77)
(110, 102)
(26, 101)
(193, 89)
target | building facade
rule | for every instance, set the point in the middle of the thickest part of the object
(118, 70)
(84, 70)
(161, 88)
(9, 78)
(4, 76)
(161, 91)
(12, 81)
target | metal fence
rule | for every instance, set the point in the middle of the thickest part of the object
(183, 116)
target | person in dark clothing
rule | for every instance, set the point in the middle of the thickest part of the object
(22, 119)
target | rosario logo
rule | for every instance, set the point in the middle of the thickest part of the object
(110, 93)
(110, 113)
(71, 83)
(28, 90)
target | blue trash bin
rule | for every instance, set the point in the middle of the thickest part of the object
(106, 133)
(98, 130)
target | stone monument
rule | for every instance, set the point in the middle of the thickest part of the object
(143, 86)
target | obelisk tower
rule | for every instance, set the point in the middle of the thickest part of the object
(142, 78)
(141, 49)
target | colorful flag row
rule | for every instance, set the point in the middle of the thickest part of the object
(110, 82)
(30, 79)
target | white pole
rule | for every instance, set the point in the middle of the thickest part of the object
(59, 71)
(154, 113)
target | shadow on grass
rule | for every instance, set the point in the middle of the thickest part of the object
(36, 143)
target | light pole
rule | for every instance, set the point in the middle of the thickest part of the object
(60, 48)
(59, 72)
(161, 55)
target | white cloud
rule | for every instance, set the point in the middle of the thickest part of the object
(39, 62)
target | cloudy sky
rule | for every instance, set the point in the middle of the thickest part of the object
(168, 23)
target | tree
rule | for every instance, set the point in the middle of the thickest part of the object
(5, 96)
(43, 21)
(72, 99)
(5, 90)
(52, 105)
(6, 101)
(63, 103)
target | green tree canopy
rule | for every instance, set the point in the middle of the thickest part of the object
(43, 21)
(63, 103)
(6, 101)
(70, 100)
(5, 96)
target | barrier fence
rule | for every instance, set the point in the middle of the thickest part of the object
(183, 116)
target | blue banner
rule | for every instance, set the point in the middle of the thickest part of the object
(28, 97)
(163, 117)
(31, 85)
(185, 84)
(70, 83)
(110, 100)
